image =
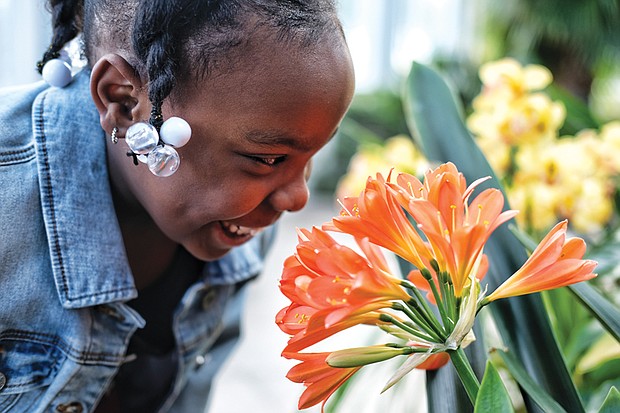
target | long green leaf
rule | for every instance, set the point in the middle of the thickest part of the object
(436, 124)
(612, 402)
(603, 310)
(531, 388)
(492, 396)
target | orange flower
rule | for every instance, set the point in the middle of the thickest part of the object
(320, 379)
(326, 275)
(556, 262)
(441, 208)
(309, 326)
(332, 288)
(376, 215)
(434, 226)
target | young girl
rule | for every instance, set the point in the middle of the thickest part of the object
(138, 199)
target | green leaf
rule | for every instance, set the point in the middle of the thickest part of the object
(566, 314)
(606, 371)
(580, 340)
(437, 125)
(612, 402)
(540, 397)
(492, 396)
(603, 310)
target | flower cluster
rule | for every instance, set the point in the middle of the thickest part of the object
(442, 231)
(546, 176)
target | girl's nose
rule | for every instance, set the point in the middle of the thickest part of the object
(292, 196)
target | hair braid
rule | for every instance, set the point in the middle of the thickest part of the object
(170, 41)
(160, 27)
(66, 24)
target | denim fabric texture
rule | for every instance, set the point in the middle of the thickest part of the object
(64, 275)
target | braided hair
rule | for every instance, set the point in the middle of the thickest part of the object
(169, 41)
(66, 24)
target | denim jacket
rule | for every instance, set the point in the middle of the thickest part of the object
(64, 276)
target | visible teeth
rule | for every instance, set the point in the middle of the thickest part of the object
(240, 230)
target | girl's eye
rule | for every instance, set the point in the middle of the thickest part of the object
(267, 160)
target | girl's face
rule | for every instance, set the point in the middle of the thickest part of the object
(254, 132)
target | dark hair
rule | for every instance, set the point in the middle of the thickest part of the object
(66, 24)
(171, 40)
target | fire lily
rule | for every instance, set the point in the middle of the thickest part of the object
(333, 287)
(376, 215)
(556, 262)
(444, 214)
(320, 379)
(326, 275)
(310, 327)
(434, 361)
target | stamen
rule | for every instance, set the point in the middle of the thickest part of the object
(333, 301)
(441, 227)
(466, 218)
(453, 211)
(302, 318)
(344, 209)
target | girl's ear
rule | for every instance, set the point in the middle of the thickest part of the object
(118, 93)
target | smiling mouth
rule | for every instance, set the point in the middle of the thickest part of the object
(234, 230)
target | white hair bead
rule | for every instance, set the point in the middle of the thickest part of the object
(142, 138)
(175, 131)
(163, 161)
(57, 72)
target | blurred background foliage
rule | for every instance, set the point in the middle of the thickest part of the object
(579, 42)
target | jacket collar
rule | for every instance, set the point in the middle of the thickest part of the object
(86, 247)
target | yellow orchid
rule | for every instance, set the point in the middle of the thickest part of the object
(508, 73)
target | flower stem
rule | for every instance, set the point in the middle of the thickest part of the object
(452, 305)
(447, 297)
(410, 329)
(439, 300)
(425, 310)
(416, 315)
(465, 372)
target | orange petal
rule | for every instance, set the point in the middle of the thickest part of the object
(434, 362)
(320, 379)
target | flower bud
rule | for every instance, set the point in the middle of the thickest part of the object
(360, 356)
